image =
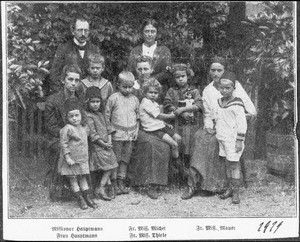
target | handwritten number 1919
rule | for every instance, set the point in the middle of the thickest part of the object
(268, 224)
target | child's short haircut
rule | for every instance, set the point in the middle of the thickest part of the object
(96, 58)
(144, 58)
(182, 67)
(228, 75)
(93, 92)
(73, 104)
(151, 82)
(70, 68)
(125, 76)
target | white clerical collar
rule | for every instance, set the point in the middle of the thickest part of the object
(77, 43)
(149, 51)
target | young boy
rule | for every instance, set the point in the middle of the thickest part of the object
(94, 78)
(152, 119)
(231, 127)
(122, 114)
(144, 70)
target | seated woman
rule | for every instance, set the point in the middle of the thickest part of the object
(148, 167)
(207, 171)
(161, 55)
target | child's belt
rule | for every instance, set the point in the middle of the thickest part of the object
(123, 128)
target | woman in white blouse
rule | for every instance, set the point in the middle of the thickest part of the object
(207, 170)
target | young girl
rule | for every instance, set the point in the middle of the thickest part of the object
(231, 127)
(73, 161)
(122, 114)
(152, 122)
(102, 156)
(184, 126)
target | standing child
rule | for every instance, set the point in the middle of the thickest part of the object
(94, 78)
(184, 126)
(231, 127)
(73, 161)
(96, 65)
(152, 122)
(102, 156)
(122, 114)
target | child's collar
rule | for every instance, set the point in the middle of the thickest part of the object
(137, 84)
(187, 88)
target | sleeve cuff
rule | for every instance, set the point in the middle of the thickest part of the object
(111, 130)
(241, 136)
(65, 151)
(95, 137)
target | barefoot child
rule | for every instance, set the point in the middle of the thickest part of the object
(152, 122)
(102, 156)
(231, 127)
(74, 156)
(122, 114)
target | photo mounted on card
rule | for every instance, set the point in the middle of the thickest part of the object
(149, 121)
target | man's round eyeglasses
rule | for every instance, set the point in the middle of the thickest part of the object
(79, 31)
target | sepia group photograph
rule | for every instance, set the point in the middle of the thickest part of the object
(144, 120)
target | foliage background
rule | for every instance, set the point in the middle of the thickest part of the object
(260, 49)
(36, 30)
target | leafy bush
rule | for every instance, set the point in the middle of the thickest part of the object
(26, 67)
(193, 31)
(36, 30)
(273, 54)
(264, 60)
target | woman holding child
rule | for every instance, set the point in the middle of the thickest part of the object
(153, 173)
(207, 171)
